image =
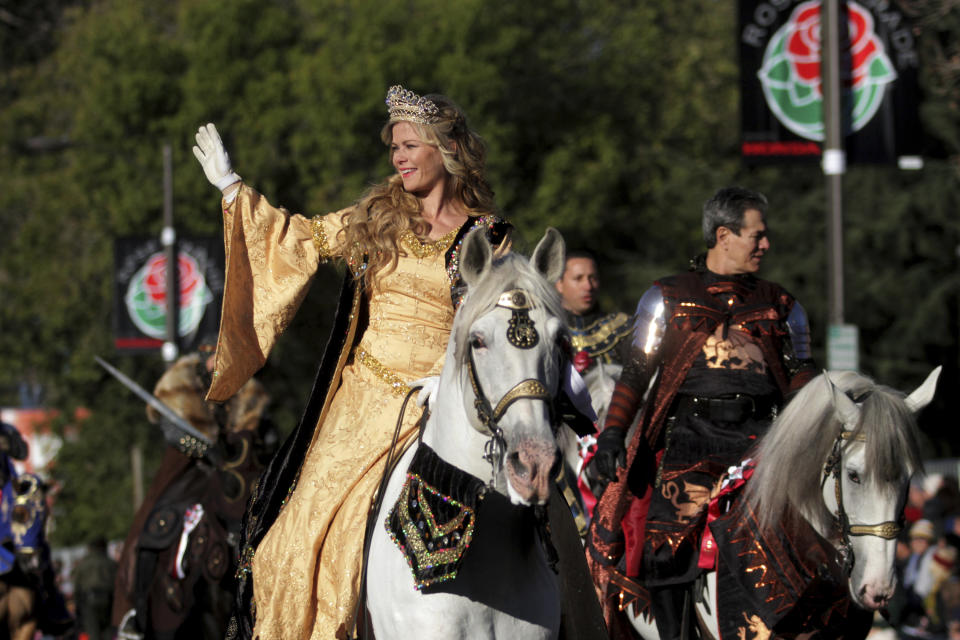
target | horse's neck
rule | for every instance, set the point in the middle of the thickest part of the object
(448, 431)
(810, 518)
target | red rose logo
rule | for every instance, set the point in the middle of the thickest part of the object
(155, 280)
(146, 296)
(803, 44)
(790, 74)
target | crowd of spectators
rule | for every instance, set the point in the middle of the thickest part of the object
(926, 605)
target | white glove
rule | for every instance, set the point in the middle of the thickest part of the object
(429, 391)
(213, 158)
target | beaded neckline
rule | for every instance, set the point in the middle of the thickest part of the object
(424, 249)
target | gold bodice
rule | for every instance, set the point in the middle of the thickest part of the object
(410, 313)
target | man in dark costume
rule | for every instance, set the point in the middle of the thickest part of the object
(727, 348)
(595, 336)
(599, 344)
(176, 571)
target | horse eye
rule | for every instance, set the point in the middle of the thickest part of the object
(476, 341)
(853, 476)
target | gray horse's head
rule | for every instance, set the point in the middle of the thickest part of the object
(507, 341)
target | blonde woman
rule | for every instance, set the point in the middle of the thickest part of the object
(303, 533)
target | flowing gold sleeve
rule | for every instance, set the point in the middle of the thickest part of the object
(271, 258)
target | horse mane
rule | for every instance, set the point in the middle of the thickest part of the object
(791, 456)
(510, 271)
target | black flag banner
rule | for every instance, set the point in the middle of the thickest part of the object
(781, 91)
(140, 291)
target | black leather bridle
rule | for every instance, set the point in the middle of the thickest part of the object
(522, 334)
(834, 467)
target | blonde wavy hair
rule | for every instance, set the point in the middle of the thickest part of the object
(374, 226)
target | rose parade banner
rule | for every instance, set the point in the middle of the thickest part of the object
(781, 92)
(140, 294)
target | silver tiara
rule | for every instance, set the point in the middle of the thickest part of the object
(404, 104)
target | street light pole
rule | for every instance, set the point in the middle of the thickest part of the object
(834, 156)
(168, 238)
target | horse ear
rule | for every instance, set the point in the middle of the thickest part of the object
(475, 257)
(846, 409)
(549, 258)
(923, 394)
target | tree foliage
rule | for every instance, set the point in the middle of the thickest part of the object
(612, 121)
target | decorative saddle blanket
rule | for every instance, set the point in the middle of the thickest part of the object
(433, 520)
(782, 582)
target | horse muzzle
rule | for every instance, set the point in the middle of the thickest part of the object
(873, 598)
(530, 470)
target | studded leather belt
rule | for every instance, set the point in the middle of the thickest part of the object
(732, 408)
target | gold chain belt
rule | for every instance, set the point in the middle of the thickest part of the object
(397, 384)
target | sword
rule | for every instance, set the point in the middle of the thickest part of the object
(155, 402)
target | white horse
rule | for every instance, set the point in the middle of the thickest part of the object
(466, 508)
(840, 456)
(600, 381)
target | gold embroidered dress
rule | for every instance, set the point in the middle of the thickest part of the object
(306, 570)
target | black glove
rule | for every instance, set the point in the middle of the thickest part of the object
(611, 453)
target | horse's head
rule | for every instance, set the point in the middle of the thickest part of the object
(507, 349)
(840, 456)
(867, 475)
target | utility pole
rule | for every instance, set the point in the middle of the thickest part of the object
(170, 349)
(834, 156)
(842, 339)
(168, 238)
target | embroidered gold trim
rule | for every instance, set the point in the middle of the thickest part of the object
(422, 249)
(582, 341)
(398, 386)
(320, 239)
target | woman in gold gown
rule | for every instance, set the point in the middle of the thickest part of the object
(303, 533)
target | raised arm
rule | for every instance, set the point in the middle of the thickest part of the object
(271, 258)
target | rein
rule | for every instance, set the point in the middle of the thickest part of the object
(522, 334)
(361, 629)
(887, 530)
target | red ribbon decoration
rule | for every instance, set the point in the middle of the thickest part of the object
(581, 361)
(736, 477)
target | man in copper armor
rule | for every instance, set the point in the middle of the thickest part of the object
(725, 349)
